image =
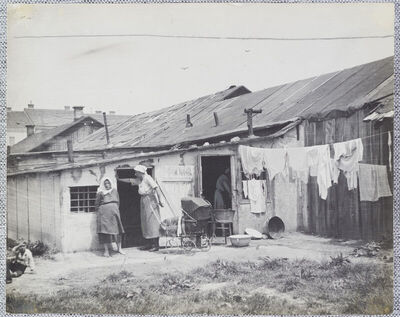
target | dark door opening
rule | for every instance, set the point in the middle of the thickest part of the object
(213, 167)
(129, 207)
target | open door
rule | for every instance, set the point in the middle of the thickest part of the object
(129, 209)
(212, 167)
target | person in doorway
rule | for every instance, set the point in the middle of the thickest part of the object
(108, 218)
(150, 203)
(22, 260)
(222, 193)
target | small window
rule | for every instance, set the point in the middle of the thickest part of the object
(83, 198)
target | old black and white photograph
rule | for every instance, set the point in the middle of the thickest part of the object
(200, 158)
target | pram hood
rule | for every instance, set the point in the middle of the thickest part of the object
(198, 208)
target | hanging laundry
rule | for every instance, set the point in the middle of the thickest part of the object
(347, 157)
(324, 178)
(312, 160)
(383, 187)
(275, 161)
(245, 187)
(335, 171)
(252, 159)
(373, 182)
(297, 160)
(257, 195)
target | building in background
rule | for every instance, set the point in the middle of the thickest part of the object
(21, 124)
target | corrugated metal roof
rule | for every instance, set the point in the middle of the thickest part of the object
(322, 96)
(38, 139)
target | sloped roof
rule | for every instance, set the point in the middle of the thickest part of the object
(17, 120)
(328, 95)
(54, 117)
(32, 142)
(385, 105)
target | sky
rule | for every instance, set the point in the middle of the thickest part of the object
(92, 56)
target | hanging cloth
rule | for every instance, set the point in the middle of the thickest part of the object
(245, 187)
(257, 196)
(373, 182)
(252, 160)
(347, 155)
(297, 160)
(275, 161)
(324, 172)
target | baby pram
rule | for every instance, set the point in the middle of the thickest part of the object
(190, 230)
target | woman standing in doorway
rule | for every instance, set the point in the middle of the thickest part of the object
(108, 219)
(150, 203)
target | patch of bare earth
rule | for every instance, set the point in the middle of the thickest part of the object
(297, 274)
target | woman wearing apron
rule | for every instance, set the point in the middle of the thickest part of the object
(150, 203)
(108, 219)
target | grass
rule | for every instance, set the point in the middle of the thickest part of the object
(266, 286)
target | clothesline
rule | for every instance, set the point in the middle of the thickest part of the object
(308, 161)
(369, 136)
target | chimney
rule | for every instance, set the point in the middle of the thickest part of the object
(31, 105)
(106, 127)
(188, 123)
(216, 119)
(67, 108)
(9, 109)
(78, 112)
(30, 130)
(112, 112)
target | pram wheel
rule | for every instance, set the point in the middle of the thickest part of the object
(188, 245)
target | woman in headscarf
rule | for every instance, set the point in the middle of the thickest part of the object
(108, 218)
(150, 203)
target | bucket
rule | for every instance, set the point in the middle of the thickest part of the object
(275, 227)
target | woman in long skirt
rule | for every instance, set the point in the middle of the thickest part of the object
(150, 203)
(108, 218)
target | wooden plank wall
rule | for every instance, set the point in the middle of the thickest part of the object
(34, 208)
(343, 215)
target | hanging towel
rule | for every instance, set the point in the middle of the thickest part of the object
(252, 159)
(383, 187)
(245, 189)
(373, 182)
(275, 161)
(347, 157)
(257, 196)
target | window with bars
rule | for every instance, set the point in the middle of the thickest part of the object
(83, 198)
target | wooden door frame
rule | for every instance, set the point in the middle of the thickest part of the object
(199, 178)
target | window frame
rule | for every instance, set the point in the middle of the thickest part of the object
(82, 199)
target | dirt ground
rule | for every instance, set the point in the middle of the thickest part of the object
(81, 270)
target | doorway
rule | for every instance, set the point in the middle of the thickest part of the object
(129, 207)
(213, 167)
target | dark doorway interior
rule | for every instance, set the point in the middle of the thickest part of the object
(212, 167)
(130, 210)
